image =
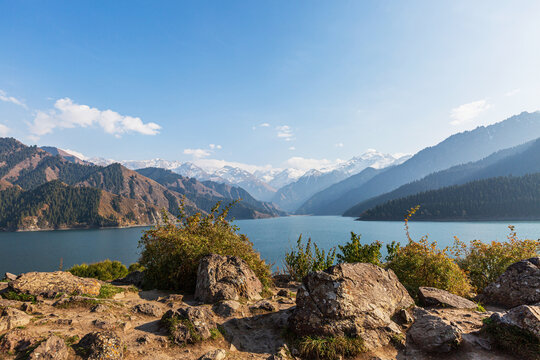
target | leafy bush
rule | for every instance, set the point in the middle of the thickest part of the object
(303, 260)
(330, 348)
(171, 251)
(104, 270)
(353, 251)
(423, 264)
(135, 267)
(484, 263)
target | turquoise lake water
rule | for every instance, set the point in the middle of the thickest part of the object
(42, 251)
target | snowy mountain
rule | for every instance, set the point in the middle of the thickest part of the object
(236, 176)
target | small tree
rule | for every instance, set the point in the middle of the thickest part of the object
(302, 261)
(353, 251)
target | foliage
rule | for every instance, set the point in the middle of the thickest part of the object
(304, 260)
(108, 291)
(421, 263)
(485, 262)
(12, 295)
(330, 348)
(104, 270)
(135, 267)
(171, 251)
(353, 251)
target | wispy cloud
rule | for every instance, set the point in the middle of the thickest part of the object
(4, 130)
(339, 145)
(4, 97)
(197, 153)
(285, 132)
(292, 148)
(467, 112)
(214, 146)
(263, 125)
(512, 92)
(67, 114)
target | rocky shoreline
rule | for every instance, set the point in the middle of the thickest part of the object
(61, 316)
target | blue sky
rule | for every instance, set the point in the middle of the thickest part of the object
(275, 83)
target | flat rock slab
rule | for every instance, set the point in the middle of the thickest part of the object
(430, 296)
(432, 333)
(49, 284)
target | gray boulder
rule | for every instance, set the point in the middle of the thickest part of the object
(518, 285)
(218, 354)
(49, 284)
(102, 345)
(355, 300)
(54, 348)
(524, 317)
(189, 324)
(433, 334)
(10, 276)
(148, 309)
(11, 318)
(226, 278)
(430, 296)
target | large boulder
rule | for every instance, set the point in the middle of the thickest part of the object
(355, 300)
(49, 284)
(430, 296)
(12, 318)
(54, 348)
(524, 317)
(189, 324)
(102, 345)
(518, 285)
(226, 278)
(431, 333)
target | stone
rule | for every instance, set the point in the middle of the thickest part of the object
(354, 300)
(148, 309)
(225, 278)
(431, 333)
(16, 341)
(99, 308)
(283, 293)
(264, 306)
(218, 354)
(189, 324)
(49, 284)
(518, 285)
(228, 308)
(9, 276)
(11, 318)
(135, 278)
(54, 348)
(430, 296)
(524, 317)
(102, 345)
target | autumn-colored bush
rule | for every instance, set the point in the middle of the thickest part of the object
(485, 262)
(302, 260)
(421, 263)
(171, 251)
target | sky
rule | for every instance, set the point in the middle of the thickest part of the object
(266, 83)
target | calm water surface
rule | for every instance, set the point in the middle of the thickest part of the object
(42, 251)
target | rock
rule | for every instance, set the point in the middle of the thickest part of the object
(432, 333)
(54, 348)
(10, 276)
(189, 324)
(226, 278)
(102, 345)
(282, 354)
(283, 293)
(218, 354)
(11, 318)
(518, 285)
(135, 278)
(16, 340)
(355, 300)
(148, 309)
(49, 284)
(99, 308)
(264, 305)
(104, 324)
(524, 317)
(228, 308)
(430, 296)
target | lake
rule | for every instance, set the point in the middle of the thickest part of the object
(43, 251)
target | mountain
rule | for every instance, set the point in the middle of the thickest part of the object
(206, 194)
(55, 205)
(291, 197)
(281, 178)
(191, 170)
(457, 149)
(322, 202)
(64, 155)
(500, 198)
(236, 176)
(517, 161)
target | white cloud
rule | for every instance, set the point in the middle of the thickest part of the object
(4, 97)
(214, 146)
(265, 125)
(197, 153)
(512, 92)
(301, 163)
(67, 114)
(467, 112)
(4, 130)
(285, 132)
(339, 145)
(292, 148)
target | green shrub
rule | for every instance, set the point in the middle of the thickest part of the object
(135, 267)
(104, 270)
(330, 348)
(484, 263)
(171, 251)
(108, 291)
(12, 295)
(421, 263)
(301, 261)
(353, 251)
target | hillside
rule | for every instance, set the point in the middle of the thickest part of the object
(517, 161)
(56, 205)
(457, 149)
(500, 198)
